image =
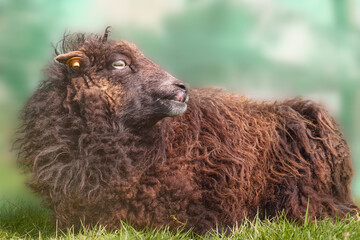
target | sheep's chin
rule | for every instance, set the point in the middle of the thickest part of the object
(176, 108)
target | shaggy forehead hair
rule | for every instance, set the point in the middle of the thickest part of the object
(71, 42)
(96, 47)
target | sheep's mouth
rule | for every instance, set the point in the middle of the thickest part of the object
(175, 103)
(179, 96)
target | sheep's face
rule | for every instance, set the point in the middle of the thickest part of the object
(137, 90)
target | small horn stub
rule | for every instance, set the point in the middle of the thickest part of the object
(106, 34)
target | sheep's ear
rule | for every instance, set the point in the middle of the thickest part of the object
(74, 59)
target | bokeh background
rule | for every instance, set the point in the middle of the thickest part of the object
(267, 49)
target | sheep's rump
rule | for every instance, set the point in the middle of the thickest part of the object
(226, 158)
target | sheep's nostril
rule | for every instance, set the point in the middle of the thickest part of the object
(182, 86)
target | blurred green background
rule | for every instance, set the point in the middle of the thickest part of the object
(267, 49)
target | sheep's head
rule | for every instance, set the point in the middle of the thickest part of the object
(138, 91)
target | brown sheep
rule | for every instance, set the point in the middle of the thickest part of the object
(111, 137)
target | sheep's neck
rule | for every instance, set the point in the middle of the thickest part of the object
(146, 145)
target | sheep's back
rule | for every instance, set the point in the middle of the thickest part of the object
(245, 156)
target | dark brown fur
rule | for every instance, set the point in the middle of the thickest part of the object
(99, 154)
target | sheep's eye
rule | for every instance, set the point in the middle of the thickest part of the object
(119, 64)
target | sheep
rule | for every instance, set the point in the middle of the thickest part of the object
(110, 136)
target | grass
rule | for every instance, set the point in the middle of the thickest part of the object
(30, 221)
(23, 217)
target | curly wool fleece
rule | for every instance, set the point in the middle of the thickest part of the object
(102, 148)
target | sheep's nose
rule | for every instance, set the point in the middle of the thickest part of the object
(182, 86)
